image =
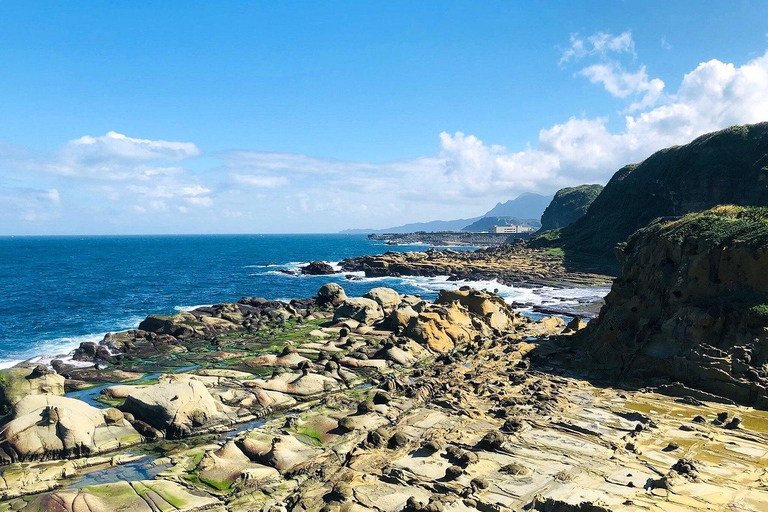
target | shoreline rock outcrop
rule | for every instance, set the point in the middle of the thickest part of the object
(691, 305)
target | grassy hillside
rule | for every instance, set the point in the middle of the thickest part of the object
(569, 205)
(725, 167)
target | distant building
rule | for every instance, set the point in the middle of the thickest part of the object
(512, 229)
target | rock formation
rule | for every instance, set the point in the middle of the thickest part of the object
(692, 305)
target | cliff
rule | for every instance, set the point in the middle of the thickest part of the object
(569, 205)
(725, 167)
(692, 305)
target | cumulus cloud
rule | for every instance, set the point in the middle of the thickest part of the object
(465, 175)
(621, 84)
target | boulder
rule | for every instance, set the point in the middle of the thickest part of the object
(401, 317)
(221, 468)
(317, 268)
(283, 453)
(49, 427)
(330, 293)
(387, 298)
(17, 383)
(489, 306)
(365, 311)
(179, 408)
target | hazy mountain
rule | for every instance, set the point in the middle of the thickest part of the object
(435, 225)
(524, 206)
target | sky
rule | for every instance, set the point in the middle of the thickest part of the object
(296, 117)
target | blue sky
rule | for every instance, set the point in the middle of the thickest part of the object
(134, 117)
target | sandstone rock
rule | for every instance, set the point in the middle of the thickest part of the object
(178, 408)
(299, 384)
(387, 298)
(484, 304)
(17, 383)
(282, 453)
(365, 311)
(221, 468)
(138, 496)
(690, 305)
(47, 426)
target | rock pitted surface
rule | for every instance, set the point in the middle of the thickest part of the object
(568, 206)
(452, 405)
(692, 305)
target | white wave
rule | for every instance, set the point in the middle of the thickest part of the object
(64, 346)
(511, 294)
(191, 308)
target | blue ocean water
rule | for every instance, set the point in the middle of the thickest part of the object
(58, 291)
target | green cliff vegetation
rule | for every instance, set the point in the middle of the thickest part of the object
(725, 167)
(569, 205)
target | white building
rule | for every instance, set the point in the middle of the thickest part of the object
(512, 229)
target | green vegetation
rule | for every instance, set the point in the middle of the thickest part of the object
(569, 205)
(314, 436)
(722, 225)
(725, 167)
(555, 252)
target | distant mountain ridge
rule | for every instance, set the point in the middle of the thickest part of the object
(527, 206)
(524, 206)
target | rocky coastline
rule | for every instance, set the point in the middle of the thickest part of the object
(447, 238)
(509, 264)
(390, 402)
(376, 403)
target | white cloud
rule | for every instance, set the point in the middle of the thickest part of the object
(600, 44)
(260, 181)
(463, 177)
(116, 146)
(621, 84)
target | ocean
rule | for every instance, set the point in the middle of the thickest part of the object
(56, 292)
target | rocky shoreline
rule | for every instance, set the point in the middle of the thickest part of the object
(445, 238)
(376, 403)
(509, 264)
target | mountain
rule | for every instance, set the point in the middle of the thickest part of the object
(568, 205)
(725, 167)
(435, 225)
(487, 223)
(524, 206)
